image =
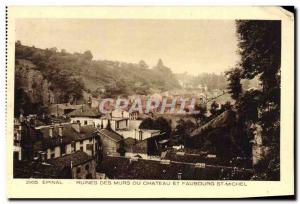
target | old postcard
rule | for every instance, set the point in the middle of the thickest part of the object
(150, 102)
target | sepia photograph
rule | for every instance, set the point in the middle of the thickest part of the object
(147, 99)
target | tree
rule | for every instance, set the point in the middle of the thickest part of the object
(200, 115)
(214, 108)
(157, 124)
(160, 63)
(143, 64)
(226, 106)
(260, 51)
(182, 130)
(88, 55)
(234, 85)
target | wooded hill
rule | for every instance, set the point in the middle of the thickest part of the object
(44, 76)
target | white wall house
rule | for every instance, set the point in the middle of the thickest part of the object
(117, 113)
(61, 140)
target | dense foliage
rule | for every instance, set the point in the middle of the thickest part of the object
(159, 123)
(70, 75)
(260, 51)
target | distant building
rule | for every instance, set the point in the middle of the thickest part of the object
(17, 140)
(118, 113)
(146, 133)
(111, 142)
(151, 145)
(85, 115)
(114, 123)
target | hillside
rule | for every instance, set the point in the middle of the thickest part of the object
(45, 76)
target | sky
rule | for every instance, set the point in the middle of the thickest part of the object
(192, 46)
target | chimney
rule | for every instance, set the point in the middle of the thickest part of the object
(60, 130)
(89, 104)
(51, 131)
(76, 126)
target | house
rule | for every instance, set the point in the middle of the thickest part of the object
(82, 165)
(147, 133)
(39, 169)
(138, 134)
(114, 123)
(129, 142)
(59, 140)
(85, 115)
(118, 113)
(77, 165)
(24, 138)
(134, 115)
(149, 146)
(110, 141)
(17, 140)
(150, 169)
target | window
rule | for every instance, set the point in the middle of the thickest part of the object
(91, 140)
(81, 142)
(78, 170)
(78, 121)
(81, 149)
(52, 156)
(87, 167)
(73, 146)
(63, 149)
(85, 122)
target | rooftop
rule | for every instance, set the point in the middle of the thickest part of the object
(33, 169)
(68, 132)
(126, 168)
(76, 158)
(111, 134)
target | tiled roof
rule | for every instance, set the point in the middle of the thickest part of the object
(85, 111)
(77, 158)
(69, 135)
(33, 169)
(111, 134)
(125, 168)
(130, 141)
